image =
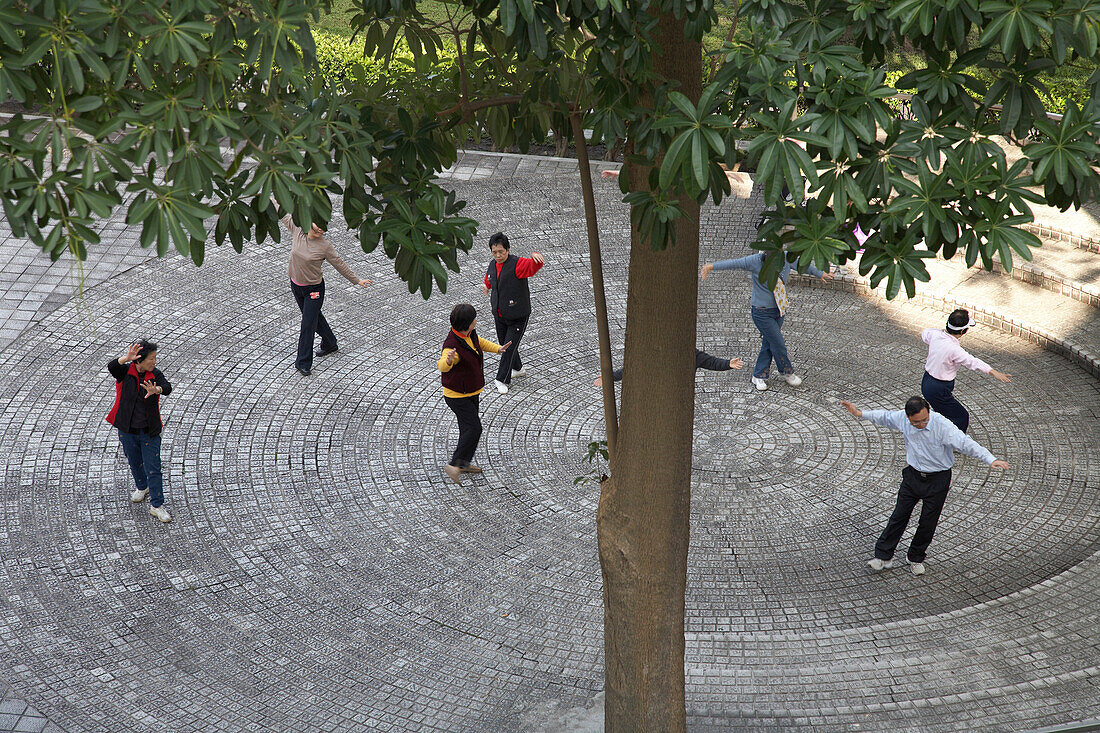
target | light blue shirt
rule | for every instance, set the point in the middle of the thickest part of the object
(761, 296)
(930, 449)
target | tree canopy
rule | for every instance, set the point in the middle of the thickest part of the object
(204, 109)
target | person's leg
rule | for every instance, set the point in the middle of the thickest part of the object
(150, 455)
(313, 297)
(931, 506)
(509, 360)
(469, 428)
(941, 396)
(519, 327)
(899, 519)
(131, 448)
(328, 338)
(764, 359)
(473, 437)
(779, 349)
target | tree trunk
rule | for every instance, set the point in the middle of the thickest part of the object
(642, 523)
(603, 332)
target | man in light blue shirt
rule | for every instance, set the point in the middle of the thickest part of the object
(767, 313)
(930, 444)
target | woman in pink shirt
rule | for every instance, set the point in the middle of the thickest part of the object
(945, 356)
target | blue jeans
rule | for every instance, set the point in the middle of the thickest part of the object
(143, 452)
(769, 323)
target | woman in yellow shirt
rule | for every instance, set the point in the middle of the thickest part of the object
(462, 372)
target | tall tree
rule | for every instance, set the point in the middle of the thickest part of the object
(203, 109)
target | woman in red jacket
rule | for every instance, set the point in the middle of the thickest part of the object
(139, 386)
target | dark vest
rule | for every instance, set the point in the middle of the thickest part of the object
(127, 392)
(510, 297)
(468, 373)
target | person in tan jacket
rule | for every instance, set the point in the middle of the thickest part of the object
(308, 252)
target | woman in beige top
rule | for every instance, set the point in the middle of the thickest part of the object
(307, 253)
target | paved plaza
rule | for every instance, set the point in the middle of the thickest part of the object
(321, 574)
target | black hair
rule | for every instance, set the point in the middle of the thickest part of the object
(915, 404)
(501, 239)
(462, 315)
(147, 347)
(956, 322)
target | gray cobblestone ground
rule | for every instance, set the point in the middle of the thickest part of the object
(321, 575)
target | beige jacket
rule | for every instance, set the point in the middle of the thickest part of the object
(307, 255)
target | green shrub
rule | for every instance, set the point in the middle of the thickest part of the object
(341, 58)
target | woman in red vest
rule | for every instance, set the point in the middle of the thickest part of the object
(462, 369)
(139, 386)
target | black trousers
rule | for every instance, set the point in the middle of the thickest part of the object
(931, 490)
(941, 395)
(509, 330)
(310, 298)
(469, 428)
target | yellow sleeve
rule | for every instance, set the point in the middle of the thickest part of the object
(442, 363)
(489, 346)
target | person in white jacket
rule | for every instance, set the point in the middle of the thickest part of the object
(945, 356)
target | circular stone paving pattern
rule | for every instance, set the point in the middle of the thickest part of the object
(322, 574)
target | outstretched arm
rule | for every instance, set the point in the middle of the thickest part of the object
(966, 445)
(703, 360)
(893, 419)
(528, 266)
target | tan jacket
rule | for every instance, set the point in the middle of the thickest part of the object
(307, 255)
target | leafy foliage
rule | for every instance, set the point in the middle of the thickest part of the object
(206, 109)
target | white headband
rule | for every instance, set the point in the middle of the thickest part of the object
(971, 324)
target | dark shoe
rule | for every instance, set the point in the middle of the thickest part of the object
(469, 468)
(304, 372)
(324, 352)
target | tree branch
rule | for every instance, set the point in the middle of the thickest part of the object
(467, 107)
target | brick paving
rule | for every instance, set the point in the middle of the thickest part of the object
(321, 575)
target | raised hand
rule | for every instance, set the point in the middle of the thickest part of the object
(132, 353)
(150, 387)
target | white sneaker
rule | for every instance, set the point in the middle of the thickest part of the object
(139, 495)
(792, 379)
(877, 564)
(519, 372)
(501, 386)
(160, 513)
(917, 568)
(759, 383)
